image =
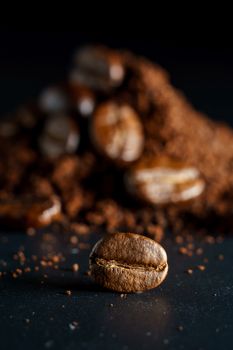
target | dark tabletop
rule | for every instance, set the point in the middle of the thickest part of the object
(187, 311)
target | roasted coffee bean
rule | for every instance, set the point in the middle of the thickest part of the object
(98, 68)
(60, 135)
(29, 211)
(117, 132)
(162, 180)
(83, 99)
(53, 100)
(127, 262)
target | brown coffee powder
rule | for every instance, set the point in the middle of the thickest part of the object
(90, 185)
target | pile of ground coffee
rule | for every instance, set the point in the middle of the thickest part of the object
(116, 147)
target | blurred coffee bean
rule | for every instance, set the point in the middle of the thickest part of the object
(163, 181)
(98, 68)
(83, 99)
(29, 211)
(60, 135)
(53, 100)
(117, 132)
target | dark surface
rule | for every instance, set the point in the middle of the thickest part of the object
(202, 303)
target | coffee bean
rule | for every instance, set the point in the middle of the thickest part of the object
(117, 132)
(60, 135)
(163, 180)
(127, 262)
(83, 99)
(53, 100)
(98, 68)
(29, 211)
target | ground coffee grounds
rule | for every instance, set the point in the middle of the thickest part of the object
(56, 147)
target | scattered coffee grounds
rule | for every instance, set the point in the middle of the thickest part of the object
(115, 147)
(127, 262)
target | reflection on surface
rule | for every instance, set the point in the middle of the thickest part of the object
(138, 315)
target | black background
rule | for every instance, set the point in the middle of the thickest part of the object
(200, 65)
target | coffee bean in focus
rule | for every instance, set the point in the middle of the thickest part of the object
(127, 262)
